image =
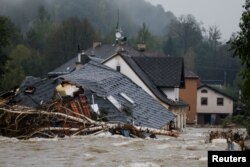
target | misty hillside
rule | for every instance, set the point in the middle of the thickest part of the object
(102, 14)
(51, 31)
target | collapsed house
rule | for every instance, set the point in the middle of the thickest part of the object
(92, 91)
(118, 97)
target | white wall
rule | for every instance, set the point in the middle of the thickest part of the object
(171, 93)
(212, 106)
(126, 70)
(174, 92)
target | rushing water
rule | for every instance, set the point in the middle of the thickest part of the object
(106, 150)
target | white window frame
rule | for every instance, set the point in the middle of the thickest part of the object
(125, 96)
(114, 102)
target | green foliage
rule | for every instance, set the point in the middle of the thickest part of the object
(240, 44)
(183, 38)
(9, 36)
(38, 34)
(64, 40)
(29, 59)
(145, 36)
(204, 54)
(4, 41)
(22, 61)
(186, 33)
(13, 77)
(4, 32)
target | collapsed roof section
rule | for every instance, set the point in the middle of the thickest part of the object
(119, 91)
(116, 95)
(35, 92)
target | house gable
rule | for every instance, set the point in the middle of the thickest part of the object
(117, 60)
(129, 68)
(211, 100)
(164, 72)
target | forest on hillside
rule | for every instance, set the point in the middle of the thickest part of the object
(41, 35)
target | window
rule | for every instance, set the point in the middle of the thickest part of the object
(127, 98)
(204, 101)
(203, 91)
(118, 68)
(30, 90)
(220, 101)
(114, 102)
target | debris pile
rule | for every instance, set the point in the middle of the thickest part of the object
(24, 122)
(231, 135)
(89, 100)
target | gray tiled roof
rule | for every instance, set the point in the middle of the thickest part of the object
(105, 81)
(153, 79)
(149, 82)
(103, 52)
(43, 93)
(163, 71)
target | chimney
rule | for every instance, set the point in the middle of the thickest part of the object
(82, 59)
(141, 47)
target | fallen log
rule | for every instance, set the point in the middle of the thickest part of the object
(40, 112)
(158, 131)
(35, 122)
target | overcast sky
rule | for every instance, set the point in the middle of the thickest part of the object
(225, 14)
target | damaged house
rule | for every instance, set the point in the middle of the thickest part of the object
(117, 97)
(159, 75)
(95, 90)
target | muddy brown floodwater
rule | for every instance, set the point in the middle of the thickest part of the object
(105, 150)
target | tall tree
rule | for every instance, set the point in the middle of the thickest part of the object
(240, 44)
(214, 35)
(183, 38)
(186, 32)
(63, 42)
(40, 30)
(5, 35)
(145, 36)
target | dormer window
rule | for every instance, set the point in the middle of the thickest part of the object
(30, 90)
(114, 102)
(127, 98)
(204, 91)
